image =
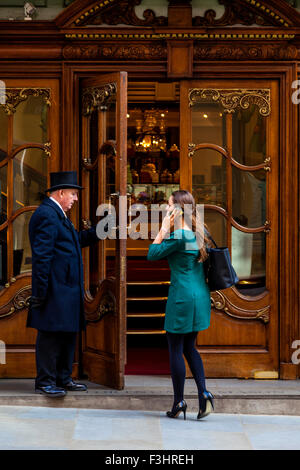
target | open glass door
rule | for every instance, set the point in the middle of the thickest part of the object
(104, 177)
(229, 160)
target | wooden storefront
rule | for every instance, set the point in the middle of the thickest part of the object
(89, 91)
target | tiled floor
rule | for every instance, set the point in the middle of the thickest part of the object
(61, 428)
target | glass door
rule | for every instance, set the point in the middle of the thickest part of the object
(104, 177)
(229, 148)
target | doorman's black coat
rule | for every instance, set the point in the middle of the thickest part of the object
(57, 270)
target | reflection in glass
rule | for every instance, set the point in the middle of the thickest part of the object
(30, 177)
(249, 197)
(216, 223)
(208, 124)
(93, 131)
(209, 177)
(249, 261)
(249, 136)
(30, 122)
(21, 244)
(94, 250)
(3, 258)
(3, 133)
(3, 194)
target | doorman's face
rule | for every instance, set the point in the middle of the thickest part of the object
(67, 197)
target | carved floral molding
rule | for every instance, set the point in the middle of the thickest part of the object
(12, 97)
(232, 99)
(95, 97)
(220, 302)
(17, 303)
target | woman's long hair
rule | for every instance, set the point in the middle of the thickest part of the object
(186, 202)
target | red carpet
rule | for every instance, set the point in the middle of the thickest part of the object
(147, 361)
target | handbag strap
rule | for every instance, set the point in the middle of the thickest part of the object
(210, 237)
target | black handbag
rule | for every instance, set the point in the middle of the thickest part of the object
(218, 269)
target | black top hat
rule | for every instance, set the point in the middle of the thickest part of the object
(63, 180)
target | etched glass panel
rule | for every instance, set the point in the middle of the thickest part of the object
(249, 261)
(208, 124)
(216, 224)
(249, 197)
(3, 194)
(249, 135)
(30, 177)
(3, 258)
(21, 244)
(31, 122)
(209, 177)
(3, 133)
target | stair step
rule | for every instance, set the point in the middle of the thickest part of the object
(146, 315)
(145, 332)
(146, 298)
(148, 283)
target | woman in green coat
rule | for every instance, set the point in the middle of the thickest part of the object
(182, 242)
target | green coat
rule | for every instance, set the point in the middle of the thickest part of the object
(188, 306)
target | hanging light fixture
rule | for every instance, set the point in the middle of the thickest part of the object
(151, 131)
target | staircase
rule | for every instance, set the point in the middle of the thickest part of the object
(147, 294)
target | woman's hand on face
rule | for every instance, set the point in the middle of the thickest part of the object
(169, 219)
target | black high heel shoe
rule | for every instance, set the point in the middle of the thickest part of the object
(176, 410)
(208, 399)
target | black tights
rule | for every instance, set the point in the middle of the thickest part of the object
(184, 345)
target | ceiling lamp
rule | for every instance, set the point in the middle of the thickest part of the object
(151, 131)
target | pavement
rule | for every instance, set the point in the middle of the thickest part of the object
(249, 415)
(43, 428)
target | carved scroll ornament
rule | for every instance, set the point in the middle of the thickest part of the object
(97, 97)
(232, 99)
(18, 302)
(12, 97)
(116, 13)
(245, 12)
(220, 302)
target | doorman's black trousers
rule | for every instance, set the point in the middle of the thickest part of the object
(184, 345)
(54, 357)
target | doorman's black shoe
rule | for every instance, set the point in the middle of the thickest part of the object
(51, 391)
(75, 387)
(207, 406)
(177, 409)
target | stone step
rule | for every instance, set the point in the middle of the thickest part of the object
(272, 397)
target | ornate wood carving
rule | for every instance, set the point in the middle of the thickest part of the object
(245, 52)
(112, 12)
(96, 97)
(104, 302)
(220, 302)
(232, 99)
(12, 97)
(245, 12)
(18, 302)
(110, 51)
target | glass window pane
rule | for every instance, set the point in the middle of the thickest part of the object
(30, 122)
(3, 133)
(249, 261)
(208, 124)
(3, 194)
(209, 177)
(249, 136)
(21, 244)
(30, 177)
(216, 223)
(3, 258)
(249, 197)
(94, 146)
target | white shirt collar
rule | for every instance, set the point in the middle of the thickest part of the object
(56, 202)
